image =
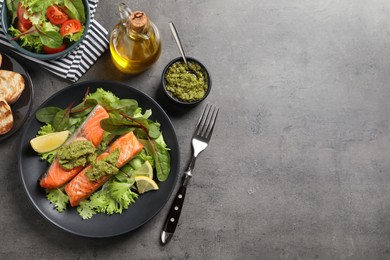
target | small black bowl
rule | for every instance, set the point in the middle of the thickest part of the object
(175, 99)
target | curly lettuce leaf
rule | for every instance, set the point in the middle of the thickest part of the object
(58, 198)
(85, 211)
(102, 97)
(29, 41)
(36, 6)
(47, 26)
(46, 129)
(120, 192)
(49, 156)
(115, 196)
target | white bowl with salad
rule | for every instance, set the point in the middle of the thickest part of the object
(46, 30)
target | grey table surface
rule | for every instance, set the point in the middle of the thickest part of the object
(298, 167)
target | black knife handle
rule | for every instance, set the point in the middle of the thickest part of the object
(175, 210)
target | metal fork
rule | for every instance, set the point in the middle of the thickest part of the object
(200, 140)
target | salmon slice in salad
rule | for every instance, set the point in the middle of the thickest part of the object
(56, 176)
(92, 130)
(81, 186)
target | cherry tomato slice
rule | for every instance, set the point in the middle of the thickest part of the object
(70, 26)
(23, 23)
(56, 15)
(22, 27)
(49, 50)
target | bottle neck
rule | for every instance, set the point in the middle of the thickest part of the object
(141, 35)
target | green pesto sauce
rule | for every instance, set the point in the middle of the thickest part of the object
(105, 166)
(186, 83)
(77, 153)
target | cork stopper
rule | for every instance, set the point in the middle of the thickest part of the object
(138, 21)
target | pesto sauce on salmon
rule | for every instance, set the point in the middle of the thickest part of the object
(105, 166)
(77, 153)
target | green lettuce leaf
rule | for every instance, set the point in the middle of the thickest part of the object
(49, 156)
(29, 41)
(46, 129)
(12, 5)
(102, 97)
(85, 211)
(51, 39)
(58, 198)
(75, 9)
(120, 192)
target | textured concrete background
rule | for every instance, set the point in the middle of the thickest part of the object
(298, 167)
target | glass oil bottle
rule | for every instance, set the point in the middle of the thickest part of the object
(135, 43)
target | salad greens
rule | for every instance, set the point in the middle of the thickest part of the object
(75, 9)
(34, 30)
(124, 116)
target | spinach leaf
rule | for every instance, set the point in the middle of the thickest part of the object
(46, 114)
(127, 106)
(162, 161)
(61, 120)
(12, 5)
(51, 39)
(81, 110)
(75, 10)
(110, 125)
(154, 130)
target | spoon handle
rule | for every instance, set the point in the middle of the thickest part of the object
(177, 39)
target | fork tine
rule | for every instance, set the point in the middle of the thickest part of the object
(206, 121)
(205, 125)
(213, 119)
(201, 121)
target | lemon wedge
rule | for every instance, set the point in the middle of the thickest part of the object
(145, 184)
(145, 170)
(49, 142)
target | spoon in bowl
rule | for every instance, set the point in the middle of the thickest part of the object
(177, 39)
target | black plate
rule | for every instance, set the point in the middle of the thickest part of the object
(100, 225)
(21, 108)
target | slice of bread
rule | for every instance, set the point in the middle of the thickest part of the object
(11, 85)
(1, 59)
(6, 118)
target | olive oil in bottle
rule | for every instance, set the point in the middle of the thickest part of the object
(135, 43)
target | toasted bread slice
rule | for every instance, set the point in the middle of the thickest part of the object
(1, 59)
(11, 85)
(6, 118)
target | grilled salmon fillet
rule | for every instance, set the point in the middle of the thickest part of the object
(90, 130)
(81, 187)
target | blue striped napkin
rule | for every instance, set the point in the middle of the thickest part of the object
(76, 63)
